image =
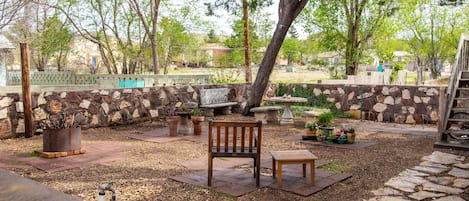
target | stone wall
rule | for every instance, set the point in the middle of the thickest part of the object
(384, 103)
(104, 107)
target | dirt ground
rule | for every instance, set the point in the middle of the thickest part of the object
(145, 172)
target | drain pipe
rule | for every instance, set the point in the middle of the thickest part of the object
(106, 187)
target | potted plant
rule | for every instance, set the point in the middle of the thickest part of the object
(62, 132)
(311, 129)
(325, 122)
(320, 136)
(197, 119)
(342, 139)
(351, 135)
(173, 120)
(330, 137)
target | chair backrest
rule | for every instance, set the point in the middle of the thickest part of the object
(234, 137)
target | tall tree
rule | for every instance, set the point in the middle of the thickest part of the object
(287, 12)
(351, 23)
(234, 6)
(149, 21)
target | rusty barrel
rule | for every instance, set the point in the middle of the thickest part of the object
(61, 140)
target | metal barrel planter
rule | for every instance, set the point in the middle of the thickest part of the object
(62, 140)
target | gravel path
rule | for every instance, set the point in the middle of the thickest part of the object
(144, 173)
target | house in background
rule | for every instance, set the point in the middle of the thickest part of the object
(5, 48)
(330, 58)
(215, 53)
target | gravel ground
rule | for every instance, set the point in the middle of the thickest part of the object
(144, 174)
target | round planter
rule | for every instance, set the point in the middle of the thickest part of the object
(342, 140)
(321, 138)
(197, 123)
(330, 140)
(61, 140)
(326, 130)
(173, 122)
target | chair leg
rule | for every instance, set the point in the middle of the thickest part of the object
(258, 174)
(210, 166)
(254, 169)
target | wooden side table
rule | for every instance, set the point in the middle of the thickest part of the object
(292, 157)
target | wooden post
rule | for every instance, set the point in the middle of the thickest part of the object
(26, 85)
(441, 113)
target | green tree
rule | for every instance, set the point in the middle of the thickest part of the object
(292, 50)
(347, 25)
(235, 41)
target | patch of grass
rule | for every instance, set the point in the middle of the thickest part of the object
(34, 154)
(220, 194)
(335, 167)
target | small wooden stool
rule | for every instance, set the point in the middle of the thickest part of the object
(292, 157)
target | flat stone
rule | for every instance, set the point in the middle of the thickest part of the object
(433, 170)
(5, 102)
(450, 198)
(440, 188)
(460, 173)
(409, 172)
(351, 95)
(379, 107)
(94, 120)
(389, 100)
(146, 103)
(85, 104)
(116, 117)
(461, 183)
(354, 107)
(146, 90)
(401, 184)
(405, 94)
(190, 89)
(124, 104)
(417, 99)
(105, 107)
(385, 91)
(116, 95)
(104, 92)
(443, 158)
(434, 116)
(441, 180)
(386, 191)
(388, 198)
(340, 90)
(135, 114)
(163, 94)
(410, 119)
(431, 164)
(154, 113)
(421, 195)
(20, 127)
(462, 165)
(432, 92)
(4, 113)
(39, 114)
(41, 100)
(127, 91)
(19, 106)
(425, 100)
(63, 95)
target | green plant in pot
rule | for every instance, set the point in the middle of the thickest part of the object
(197, 119)
(325, 123)
(330, 137)
(311, 128)
(320, 136)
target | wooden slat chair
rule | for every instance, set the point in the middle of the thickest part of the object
(234, 139)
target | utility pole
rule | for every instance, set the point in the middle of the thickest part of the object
(26, 86)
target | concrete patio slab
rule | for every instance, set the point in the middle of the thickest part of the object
(97, 152)
(15, 187)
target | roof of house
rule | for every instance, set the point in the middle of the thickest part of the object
(5, 43)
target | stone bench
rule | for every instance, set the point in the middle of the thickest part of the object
(211, 99)
(266, 113)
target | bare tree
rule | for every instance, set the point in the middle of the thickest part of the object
(10, 11)
(287, 12)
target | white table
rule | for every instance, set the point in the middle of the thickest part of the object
(287, 116)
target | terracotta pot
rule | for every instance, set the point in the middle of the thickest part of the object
(310, 132)
(321, 138)
(197, 122)
(173, 122)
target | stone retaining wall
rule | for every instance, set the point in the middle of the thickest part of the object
(384, 103)
(104, 107)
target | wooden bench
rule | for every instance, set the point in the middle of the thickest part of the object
(211, 99)
(234, 139)
(266, 113)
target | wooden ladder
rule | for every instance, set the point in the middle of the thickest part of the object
(454, 125)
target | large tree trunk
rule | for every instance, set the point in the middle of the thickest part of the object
(154, 44)
(247, 48)
(287, 12)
